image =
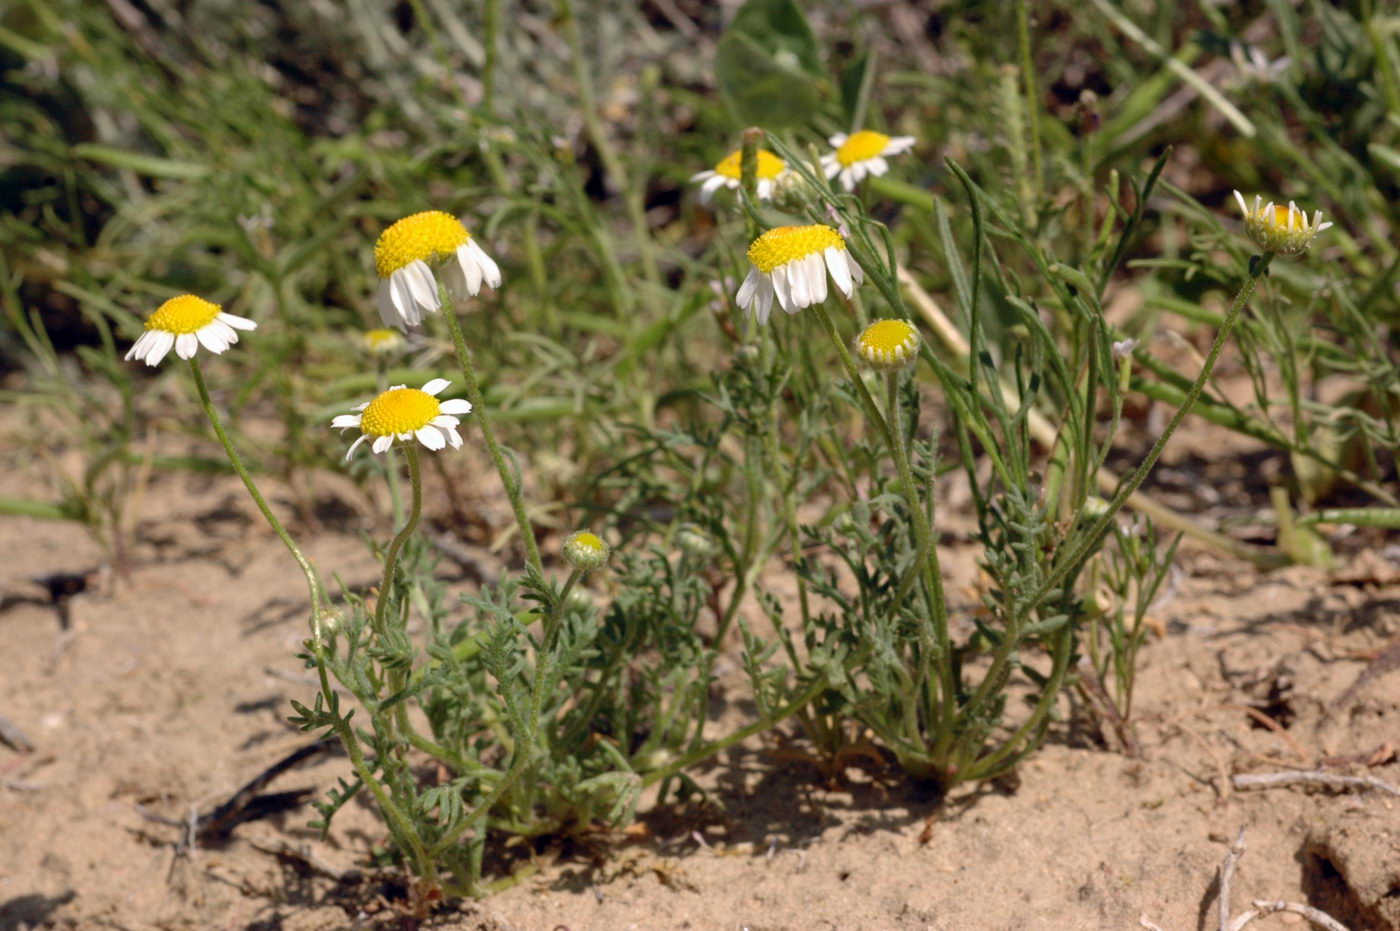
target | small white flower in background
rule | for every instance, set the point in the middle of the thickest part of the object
(382, 341)
(407, 252)
(791, 263)
(1254, 66)
(771, 173)
(1124, 348)
(404, 414)
(1278, 229)
(185, 323)
(862, 153)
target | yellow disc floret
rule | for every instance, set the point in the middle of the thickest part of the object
(769, 166)
(424, 237)
(183, 314)
(784, 244)
(888, 343)
(861, 146)
(399, 410)
(1283, 218)
(586, 550)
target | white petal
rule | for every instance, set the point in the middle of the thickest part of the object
(1243, 209)
(358, 440)
(877, 166)
(387, 314)
(454, 439)
(160, 345)
(815, 269)
(702, 176)
(857, 275)
(840, 272)
(402, 299)
(781, 289)
(748, 288)
(764, 188)
(435, 386)
(444, 421)
(138, 348)
(763, 303)
(469, 271)
(490, 271)
(898, 144)
(422, 285)
(707, 190)
(233, 320)
(831, 166)
(430, 437)
(800, 283)
(849, 178)
(456, 406)
(186, 345)
(227, 333)
(381, 443)
(345, 421)
(210, 339)
(838, 140)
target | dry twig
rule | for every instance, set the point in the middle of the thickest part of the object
(1312, 777)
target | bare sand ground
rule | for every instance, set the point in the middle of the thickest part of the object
(170, 689)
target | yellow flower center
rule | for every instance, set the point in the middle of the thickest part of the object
(183, 314)
(784, 244)
(399, 410)
(769, 165)
(887, 343)
(861, 146)
(1281, 219)
(588, 541)
(381, 340)
(427, 237)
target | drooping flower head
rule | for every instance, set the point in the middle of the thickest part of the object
(186, 323)
(772, 174)
(791, 263)
(406, 255)
(586, 550)
(862, 153)
(1278, 229)
(404, 414)
(888, 344)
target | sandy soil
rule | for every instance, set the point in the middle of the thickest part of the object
(169, 689)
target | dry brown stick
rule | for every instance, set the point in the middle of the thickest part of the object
(1264, 907)
(1310, 777)
(1227, 876)
(1274, 726)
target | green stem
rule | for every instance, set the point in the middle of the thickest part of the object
(923, 533)
(524, 743)
(1089, 543)
(509, 477)
(313, 582)
(392, 557)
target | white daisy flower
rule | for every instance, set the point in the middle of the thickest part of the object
(405, 256)
(1278, 229)
(186, 323)
(404, 414)
(862, 153)
(772, 173)
(791, 263)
